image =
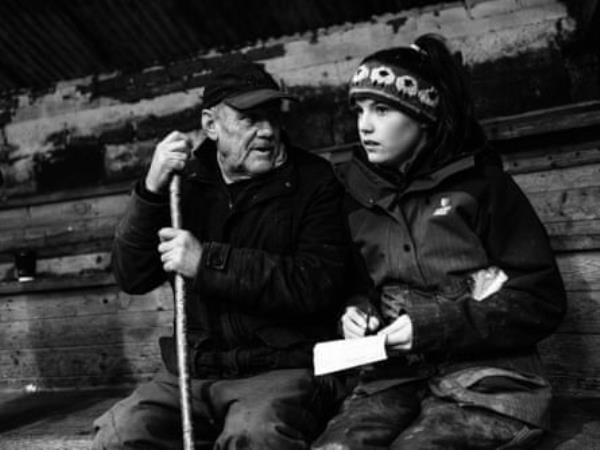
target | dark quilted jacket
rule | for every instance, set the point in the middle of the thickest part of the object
(271, 278)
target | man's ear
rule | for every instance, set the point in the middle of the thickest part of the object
(209, 124)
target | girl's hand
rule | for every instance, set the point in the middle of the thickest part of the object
(399, 334)
(354, 323)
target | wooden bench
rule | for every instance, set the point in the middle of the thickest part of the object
(82, 343)
(53, 420)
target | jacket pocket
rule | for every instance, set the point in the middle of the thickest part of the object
(529, 403)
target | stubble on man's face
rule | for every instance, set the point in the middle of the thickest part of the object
(249, 142)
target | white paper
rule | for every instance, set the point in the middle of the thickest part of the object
(487, 282)
(333, 356)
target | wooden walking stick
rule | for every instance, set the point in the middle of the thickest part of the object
(181, 326)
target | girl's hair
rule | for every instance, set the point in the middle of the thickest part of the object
(455, 130)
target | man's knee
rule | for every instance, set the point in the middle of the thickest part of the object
(133, 423)
(267, 436)
(107, 435)
(266, 427)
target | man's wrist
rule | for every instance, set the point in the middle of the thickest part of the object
(149, 195)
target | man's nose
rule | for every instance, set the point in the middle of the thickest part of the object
(265, 128)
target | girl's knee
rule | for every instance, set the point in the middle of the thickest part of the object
(267, 436)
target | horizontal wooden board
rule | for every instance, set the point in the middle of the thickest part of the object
(544, 121)
(116, 187)
(572, 362)
(47, 270)
(569, 155)
(574, 235)
(48, 240)
(108, 363)
(583, 313)
(563, 205)
(54, 420)
(579, 206)
(564, 243)
(559, 179)
(47, 382)
(81, 302)
(86, 330)
(580, 270)
(52, 228)
(63, 212)
(57, 283)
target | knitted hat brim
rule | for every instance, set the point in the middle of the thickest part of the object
(405, 106)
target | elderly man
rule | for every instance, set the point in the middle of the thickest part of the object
(263, 253)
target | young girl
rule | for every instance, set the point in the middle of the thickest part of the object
(458, 271)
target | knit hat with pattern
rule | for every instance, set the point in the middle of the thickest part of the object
(383, 76)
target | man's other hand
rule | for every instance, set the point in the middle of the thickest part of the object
(179, 251)
(169, 156)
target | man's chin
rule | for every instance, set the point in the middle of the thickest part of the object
(260, 167)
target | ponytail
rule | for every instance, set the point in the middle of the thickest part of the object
(457, 130)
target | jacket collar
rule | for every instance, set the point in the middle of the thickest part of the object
(370, 189)
(203, 169)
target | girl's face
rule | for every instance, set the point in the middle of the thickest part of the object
(389, 136)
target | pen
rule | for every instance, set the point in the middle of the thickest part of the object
(368, 332)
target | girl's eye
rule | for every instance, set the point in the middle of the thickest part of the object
(356, 109)
(381, 109)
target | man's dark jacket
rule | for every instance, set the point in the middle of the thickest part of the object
(270, 280)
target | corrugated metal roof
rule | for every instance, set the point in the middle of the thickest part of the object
(42, 42)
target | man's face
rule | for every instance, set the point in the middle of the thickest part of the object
(248, 142)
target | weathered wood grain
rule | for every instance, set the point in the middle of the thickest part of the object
(82, 302)
(107, 363)
(57, 283)
(583, 313)
(86, 330)
(63, 212)
(47, 382)
(574, 235)
(60, 238)
(580, 270)
(571, 204)
(562, 179)
(553, 157)
(57, 420)
(89, 225)
(548, 120)
(573, 362)
(72, 265)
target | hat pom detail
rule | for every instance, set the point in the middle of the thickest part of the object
(383, 75)
(361, 73)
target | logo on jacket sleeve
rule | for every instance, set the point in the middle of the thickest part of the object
(444, 207)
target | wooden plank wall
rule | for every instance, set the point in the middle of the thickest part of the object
(68, 157)
(92, 336)
(567, 200)
(102, 129)
(69, 328)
